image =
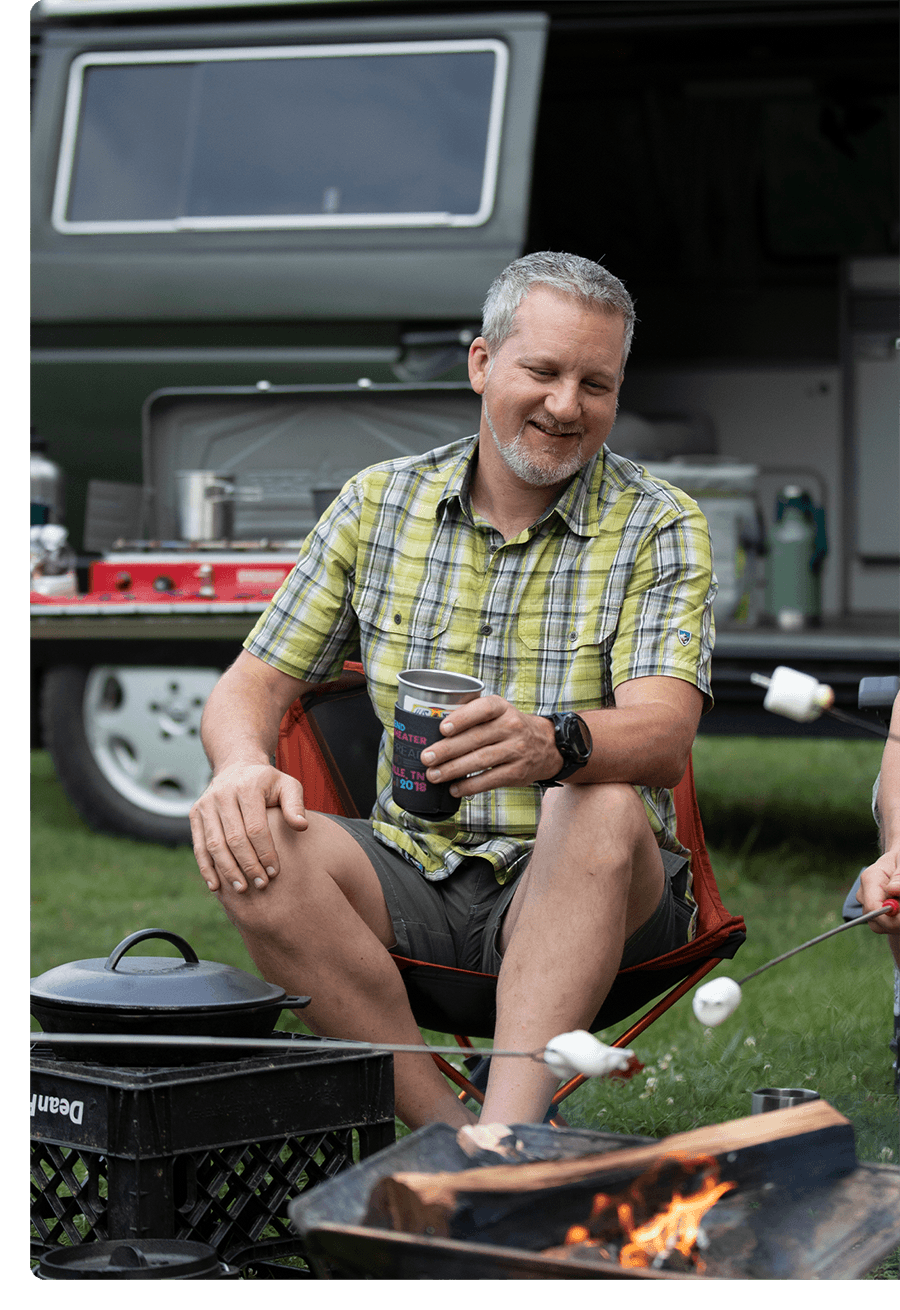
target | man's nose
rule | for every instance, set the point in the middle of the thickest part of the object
(564, 400)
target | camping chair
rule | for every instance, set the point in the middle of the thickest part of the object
(329, 739)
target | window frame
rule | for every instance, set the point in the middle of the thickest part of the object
(260, 222)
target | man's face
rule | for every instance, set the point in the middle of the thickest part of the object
(549, 393)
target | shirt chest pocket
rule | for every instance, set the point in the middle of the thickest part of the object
(566, 659)
(406, 618)
(579, 632)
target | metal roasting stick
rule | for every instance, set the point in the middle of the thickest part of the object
(889, 907)
(268, 1043)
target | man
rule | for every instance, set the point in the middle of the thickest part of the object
(533, 558)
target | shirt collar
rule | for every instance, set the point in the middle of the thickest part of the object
(578, 505)
(459, 479)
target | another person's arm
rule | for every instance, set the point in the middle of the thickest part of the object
(229, 825)
(882, 879)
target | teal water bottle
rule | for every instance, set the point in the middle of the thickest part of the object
(797, 548)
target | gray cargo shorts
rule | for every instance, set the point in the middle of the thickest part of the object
(456, 922)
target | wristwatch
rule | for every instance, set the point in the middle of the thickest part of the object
(574, 743)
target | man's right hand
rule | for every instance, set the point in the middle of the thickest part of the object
(233, 844)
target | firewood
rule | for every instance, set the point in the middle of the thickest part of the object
(800, 1145)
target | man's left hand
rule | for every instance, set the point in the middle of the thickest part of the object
(488, 743)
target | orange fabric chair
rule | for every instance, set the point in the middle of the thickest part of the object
(329, 739)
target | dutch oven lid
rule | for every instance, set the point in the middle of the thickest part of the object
(148, 982)
(139, 1258)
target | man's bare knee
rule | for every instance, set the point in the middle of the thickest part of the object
(613, 809)
(317, 861)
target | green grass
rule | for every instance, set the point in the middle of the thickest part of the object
(788, 825)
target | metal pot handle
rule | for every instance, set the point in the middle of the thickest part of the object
(190, 955)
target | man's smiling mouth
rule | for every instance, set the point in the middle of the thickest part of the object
(547, 431)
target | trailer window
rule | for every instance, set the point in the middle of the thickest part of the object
(391, 135)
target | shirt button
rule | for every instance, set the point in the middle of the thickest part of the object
(398, 618)
(486, 629)
(573, 636)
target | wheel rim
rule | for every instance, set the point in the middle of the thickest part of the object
(143, 730)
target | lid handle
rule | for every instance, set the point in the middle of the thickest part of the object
(190, 955)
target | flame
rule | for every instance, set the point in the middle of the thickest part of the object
(675, 1228)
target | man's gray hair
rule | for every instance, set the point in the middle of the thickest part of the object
(572, 275)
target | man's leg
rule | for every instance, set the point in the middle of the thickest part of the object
(594, 878)
(321, 928)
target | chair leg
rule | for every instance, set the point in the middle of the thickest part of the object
(468, 1089)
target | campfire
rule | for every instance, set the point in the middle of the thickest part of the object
(629, 1228)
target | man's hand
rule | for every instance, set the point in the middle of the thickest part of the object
(493, 740)
(233, 843)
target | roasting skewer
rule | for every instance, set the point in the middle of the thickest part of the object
(567, 1055)
(717, 1000)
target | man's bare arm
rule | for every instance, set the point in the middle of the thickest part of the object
(646, 738)
(229, 825)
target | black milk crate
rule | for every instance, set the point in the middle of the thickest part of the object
(209, 1152)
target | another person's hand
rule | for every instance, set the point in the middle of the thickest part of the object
(879, 882)
(233, 843)
(488, 743)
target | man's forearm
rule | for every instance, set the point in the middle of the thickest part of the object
(488, 743)
(646, 741)
(637, 746)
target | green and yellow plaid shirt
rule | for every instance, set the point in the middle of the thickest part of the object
(613, 582)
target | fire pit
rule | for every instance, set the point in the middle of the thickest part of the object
(776, 1196)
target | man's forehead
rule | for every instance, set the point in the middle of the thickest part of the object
(564, 299)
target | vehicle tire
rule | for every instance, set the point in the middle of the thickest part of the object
(125, 743)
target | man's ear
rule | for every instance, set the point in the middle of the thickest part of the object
(479, 364)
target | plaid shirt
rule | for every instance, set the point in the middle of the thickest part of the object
(614, 581)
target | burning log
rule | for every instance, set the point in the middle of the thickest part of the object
(533, 1206)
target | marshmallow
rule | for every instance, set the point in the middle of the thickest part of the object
(797, 696)
(715, 1001)
(581, 1053)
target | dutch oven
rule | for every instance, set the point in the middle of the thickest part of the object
(128, 994)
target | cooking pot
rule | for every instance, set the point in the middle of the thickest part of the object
(156, 994)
